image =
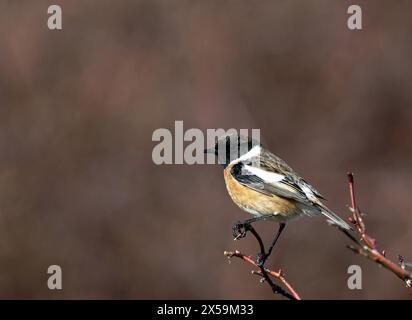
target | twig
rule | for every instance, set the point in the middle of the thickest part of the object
(366, 245)
(278, 275)
(265, 273)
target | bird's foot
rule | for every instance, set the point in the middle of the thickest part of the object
(239, 229)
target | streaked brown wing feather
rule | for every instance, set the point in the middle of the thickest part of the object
(272, 163)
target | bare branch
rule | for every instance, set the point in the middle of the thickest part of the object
(264, 272)
(366, 245)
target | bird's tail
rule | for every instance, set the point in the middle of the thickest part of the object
(334, 218)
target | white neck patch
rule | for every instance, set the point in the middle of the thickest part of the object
(254, 152)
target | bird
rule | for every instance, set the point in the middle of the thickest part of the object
(266, 187)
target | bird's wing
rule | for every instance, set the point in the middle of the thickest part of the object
(313, 190)
(272, 163)
(274, 177)
(268, 182)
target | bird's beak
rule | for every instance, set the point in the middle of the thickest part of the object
(210, 150)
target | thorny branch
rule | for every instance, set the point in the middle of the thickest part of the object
(365, 245)
(265, 273)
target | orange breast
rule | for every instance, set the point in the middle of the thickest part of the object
(258, 203)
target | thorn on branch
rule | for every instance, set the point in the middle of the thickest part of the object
(265, 273)
(365, 245)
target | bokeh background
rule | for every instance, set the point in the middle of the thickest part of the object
(78, 107)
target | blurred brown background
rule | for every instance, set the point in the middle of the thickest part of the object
(78, 107)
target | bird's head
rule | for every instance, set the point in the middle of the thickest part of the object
(231, 146)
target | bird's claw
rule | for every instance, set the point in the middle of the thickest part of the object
(239, 230)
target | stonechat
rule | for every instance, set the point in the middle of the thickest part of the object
(263, 185)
